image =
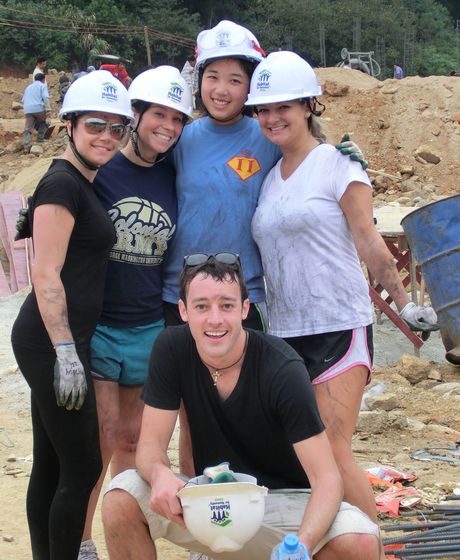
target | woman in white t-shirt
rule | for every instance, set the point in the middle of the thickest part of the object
(313, 219)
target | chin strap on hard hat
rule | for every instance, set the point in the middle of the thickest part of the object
(313, 102)
(76, 153)
(134, 136)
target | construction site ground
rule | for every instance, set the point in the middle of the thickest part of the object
(409, 130)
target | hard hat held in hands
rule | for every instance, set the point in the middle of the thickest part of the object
(223, 515)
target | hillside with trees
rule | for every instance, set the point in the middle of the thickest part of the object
(423, 35)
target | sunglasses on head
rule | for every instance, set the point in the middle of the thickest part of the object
(198, 259)
(95, 125)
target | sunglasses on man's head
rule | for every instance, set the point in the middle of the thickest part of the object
(198, 259)
(94, 125)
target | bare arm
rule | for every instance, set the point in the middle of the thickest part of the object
(356, 204)
(316, 457)
(153, 463)
(53, 225)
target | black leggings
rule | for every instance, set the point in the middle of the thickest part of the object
(66, 460)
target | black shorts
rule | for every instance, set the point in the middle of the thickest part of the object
(321, 351)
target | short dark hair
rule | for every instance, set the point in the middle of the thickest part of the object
(41, 59)
(39, 76)
(218, 271)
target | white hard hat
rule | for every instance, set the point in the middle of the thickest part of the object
(97, 91)
(163, 85)
(224, 516)
(282, 76)
(227, 40)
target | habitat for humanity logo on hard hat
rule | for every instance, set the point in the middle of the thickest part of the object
(222, 39)
(220, 512)
(109, 92)
(175, 92)
(263, 81)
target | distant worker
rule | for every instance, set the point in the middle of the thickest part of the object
(64, 84)
(83, 73)
(189, 74)
(37, 110)
(398, 73)
(40, 67)
(118, 70)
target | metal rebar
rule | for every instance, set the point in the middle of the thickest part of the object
(415, 526)
(421, 537)
(432, 547)
(429, 555)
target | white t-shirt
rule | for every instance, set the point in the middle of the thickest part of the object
(314, 279)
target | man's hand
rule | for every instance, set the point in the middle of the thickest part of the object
(420, 318)
(163, 499)
(349, 148)
(69, 377)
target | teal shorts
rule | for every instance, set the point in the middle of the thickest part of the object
(122, 355)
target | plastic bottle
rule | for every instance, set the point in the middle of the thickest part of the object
(290, 548)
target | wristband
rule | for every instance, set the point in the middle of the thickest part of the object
(64, 343)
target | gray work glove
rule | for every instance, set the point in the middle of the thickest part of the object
(23, 223)
(420, 318)
(349, 148)
(69, 377)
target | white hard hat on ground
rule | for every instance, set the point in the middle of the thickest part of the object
(223, 516)
(282, 76)
(163, 85)
(227, 40)
(97, 91)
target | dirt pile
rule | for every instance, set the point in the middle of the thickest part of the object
(409, 128)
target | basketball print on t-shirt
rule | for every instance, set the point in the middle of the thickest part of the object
(143, 230)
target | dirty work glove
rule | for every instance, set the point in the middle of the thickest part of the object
(23, 223)
(420, 318)
(69, 377)
(349, 148)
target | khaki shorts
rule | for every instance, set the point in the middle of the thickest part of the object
(284, 511)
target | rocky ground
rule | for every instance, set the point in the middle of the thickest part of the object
(410, 131)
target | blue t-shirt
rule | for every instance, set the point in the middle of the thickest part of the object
(220, 170)
(141, 201)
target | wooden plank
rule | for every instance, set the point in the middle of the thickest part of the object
(4, 286)
(389, 219)
(395, 318)
(10, 204)
(7, 246)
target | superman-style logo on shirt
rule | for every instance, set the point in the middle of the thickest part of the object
(245, 167)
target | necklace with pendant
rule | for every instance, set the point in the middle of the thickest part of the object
(218, 371)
